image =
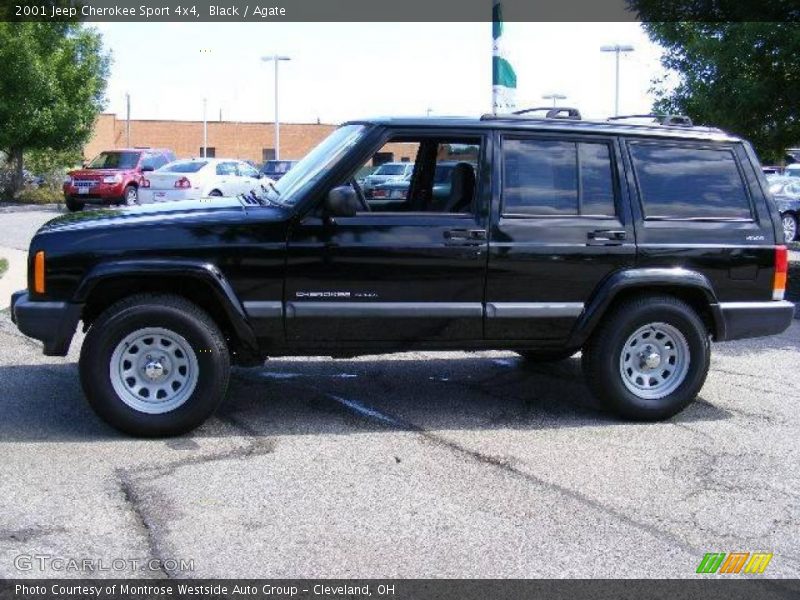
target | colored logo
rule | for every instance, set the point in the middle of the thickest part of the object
(735, 562)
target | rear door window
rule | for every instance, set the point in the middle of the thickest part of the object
(685, 182)
(557, 178)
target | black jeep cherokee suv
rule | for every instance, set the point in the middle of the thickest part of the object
(637, 243)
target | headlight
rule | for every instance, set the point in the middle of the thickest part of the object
(112, 179)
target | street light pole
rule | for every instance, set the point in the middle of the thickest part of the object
(128, 120)
(554, 96)
(205, 129)
(616, 49)
(276, 59)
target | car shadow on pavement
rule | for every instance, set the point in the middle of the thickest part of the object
(323, 396)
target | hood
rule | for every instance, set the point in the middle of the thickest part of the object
(208, 209)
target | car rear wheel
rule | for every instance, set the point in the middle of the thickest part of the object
(131, 195)
(154, 365)
(215, 193)
(73, 205)
(649, 358)
(789, 222)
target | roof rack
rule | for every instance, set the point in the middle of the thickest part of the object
(550, 112)
(668, 120)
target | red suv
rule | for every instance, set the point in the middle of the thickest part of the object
(113, 177)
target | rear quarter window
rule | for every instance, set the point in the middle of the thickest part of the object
(685, 182)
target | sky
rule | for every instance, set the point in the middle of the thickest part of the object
(342, 71)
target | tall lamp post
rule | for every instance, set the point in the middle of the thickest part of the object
(205, 129)
(554, 96)
(616, 49)
(276, 59)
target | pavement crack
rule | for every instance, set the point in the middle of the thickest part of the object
(505, 464)
(134, 501)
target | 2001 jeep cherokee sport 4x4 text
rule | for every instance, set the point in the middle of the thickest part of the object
(637, 243)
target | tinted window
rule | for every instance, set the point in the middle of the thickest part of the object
(541, 177)
(684, 183)
(155, 161)
(597, 182)
(246, 170)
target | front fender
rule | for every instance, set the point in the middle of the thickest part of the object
(650, 280)
(204, 272)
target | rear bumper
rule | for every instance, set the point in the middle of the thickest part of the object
(755, 319)
(52, 323)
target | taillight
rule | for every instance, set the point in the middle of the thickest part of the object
(145, 183)
(38, 272)
(183, 183)
(781, 271)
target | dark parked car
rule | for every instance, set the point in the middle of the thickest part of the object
(789, 208)
(275, 169)
(112, 177)
(639, 244)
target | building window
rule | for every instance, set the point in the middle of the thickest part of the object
(267, 154)
(210, 152)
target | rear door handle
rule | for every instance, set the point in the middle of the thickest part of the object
(605, 237)
(467, 236)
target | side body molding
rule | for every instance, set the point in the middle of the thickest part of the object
(204, 272)
(650, 279)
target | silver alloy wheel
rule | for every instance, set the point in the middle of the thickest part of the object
(789, 228)
(153, 370)
(654, 361)
(131, 196)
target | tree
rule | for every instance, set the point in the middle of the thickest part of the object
(743, 77)
(52, 87)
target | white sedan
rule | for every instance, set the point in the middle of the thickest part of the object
(199, 178)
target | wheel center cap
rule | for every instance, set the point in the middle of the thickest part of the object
(651, 359)
(154, 370)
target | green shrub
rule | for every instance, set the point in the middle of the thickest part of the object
(39, 195)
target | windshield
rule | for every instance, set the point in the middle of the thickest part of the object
(390, 170)
(188, 166)
(317, 163)
(115, 160)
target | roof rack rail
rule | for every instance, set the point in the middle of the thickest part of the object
(668, 120)
(551, 112)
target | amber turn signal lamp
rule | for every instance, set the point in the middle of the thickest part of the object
(38, 272)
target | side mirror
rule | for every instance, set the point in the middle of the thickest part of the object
(146, 168)
(342, 202)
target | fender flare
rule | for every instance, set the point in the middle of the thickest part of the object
(204, 272)
(646, 279)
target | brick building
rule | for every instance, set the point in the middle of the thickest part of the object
(226, 139)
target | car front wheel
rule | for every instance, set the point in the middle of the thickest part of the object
(154, 365)
(73, 205)
(131, 195)
(789, 222)
(649, 358)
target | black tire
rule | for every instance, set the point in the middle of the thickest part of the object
(215, 193)
(546, 356)
(130, 196)
(73, 205)
(603, 351)
(174, 314)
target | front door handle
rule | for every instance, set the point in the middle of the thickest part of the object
(465, 235)
(605, 237)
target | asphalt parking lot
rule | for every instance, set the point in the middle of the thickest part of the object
(407, 465)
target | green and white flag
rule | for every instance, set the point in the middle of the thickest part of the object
(504, 80)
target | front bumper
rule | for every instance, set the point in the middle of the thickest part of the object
(53, 323)
(755, 319)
